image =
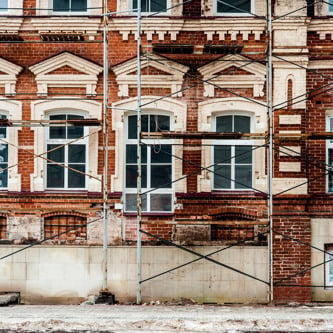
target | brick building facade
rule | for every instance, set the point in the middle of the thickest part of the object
(203, 70)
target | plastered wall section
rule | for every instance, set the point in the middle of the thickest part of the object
(70, 274)
(322, 229)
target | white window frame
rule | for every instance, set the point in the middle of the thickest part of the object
(153, 104)
(329, 146)
(149, 190)
(233, 143)
(150, 12)
(65, 142)
(207, 110)
(12, 110)
(39, 111)
(328, 265)
(252, 10)
(45, 7)
(125, 7)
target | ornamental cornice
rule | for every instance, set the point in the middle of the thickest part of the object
(10, 25)
(85, 25)
(322, 27)
(209, 26)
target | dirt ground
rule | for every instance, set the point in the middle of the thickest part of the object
(161, 318)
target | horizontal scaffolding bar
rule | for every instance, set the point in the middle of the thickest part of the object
(34, 123)
(235, 135)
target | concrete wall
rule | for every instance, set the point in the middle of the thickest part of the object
(322, 231)
(68, 274)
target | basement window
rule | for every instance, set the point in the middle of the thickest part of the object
(65, 227)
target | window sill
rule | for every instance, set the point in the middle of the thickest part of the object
(149, 214)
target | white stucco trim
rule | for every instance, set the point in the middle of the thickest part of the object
(255, 78)
(39, 111)
(176, 109)
(171, 74)
(13, 110)
(9, 77)
(87, 78)
(207, 111)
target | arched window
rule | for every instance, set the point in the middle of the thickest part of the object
(66, 154)
(233, 160)
(156, 165)
(65, 227)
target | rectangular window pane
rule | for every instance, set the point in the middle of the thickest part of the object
(76, 153)
(224, 124)
(242, 124)
(158, 5)
(61, 5)
(243, 154)
(330, 6)
(233, 6)
(3, 153)
(57, 155)
(131, 200)
(75, 179)
(222, 154)
(55, 176)
(3, 174)
(161, 154)
(74, 132)
(330, 268)
(3, 5)
(131, 176)
(330, 174)
(79, 5)
(161, 202)
(161, 176)
(222, 177)
(57, 132)
(243, 176)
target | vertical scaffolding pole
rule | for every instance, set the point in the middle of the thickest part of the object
(270, 143)
(106, 148)
(139, 174)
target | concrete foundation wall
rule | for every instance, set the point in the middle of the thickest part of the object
(68, 274)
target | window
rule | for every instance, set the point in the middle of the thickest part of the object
(70, 5)
(66, 164)
(233, 160)
(3, 156)
(3, 5)
(330, 7)
(156, 166)
(232, 7)
(150, 6)
(329, 265)
(68, 227)
(330, 155)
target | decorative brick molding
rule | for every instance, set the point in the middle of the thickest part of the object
(235, 212)
(86, 77)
